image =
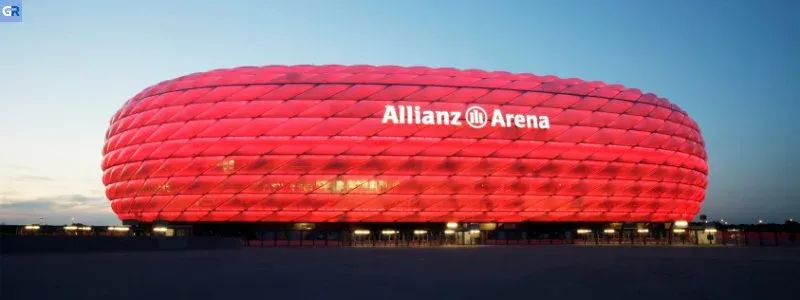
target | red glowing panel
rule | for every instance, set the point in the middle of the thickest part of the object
(392, 144)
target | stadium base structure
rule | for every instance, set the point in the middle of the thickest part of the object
(371, 234)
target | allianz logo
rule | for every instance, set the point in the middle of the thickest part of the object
(474, 116)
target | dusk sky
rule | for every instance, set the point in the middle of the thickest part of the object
(732, 65)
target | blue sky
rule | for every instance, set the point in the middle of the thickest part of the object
(731, 64)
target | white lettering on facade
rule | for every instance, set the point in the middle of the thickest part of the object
(475, 117)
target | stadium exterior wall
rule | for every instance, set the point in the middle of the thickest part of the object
(400, 144)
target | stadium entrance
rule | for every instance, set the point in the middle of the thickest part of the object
(467, 237)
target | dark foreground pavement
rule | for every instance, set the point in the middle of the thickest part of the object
(522, 272)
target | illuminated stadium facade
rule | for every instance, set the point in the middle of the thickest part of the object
(403, 145)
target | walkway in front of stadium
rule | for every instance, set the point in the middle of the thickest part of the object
(499, 272)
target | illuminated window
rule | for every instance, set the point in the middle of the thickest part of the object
(228, 165)
(339, 186)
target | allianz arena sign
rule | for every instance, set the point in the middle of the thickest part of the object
(474, 116)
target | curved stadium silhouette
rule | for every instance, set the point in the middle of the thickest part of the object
(310, 144)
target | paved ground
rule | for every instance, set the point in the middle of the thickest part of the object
(521, 272)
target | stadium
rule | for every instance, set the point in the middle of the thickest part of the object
(400, 150)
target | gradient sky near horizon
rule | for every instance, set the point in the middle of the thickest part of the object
(732, 65)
